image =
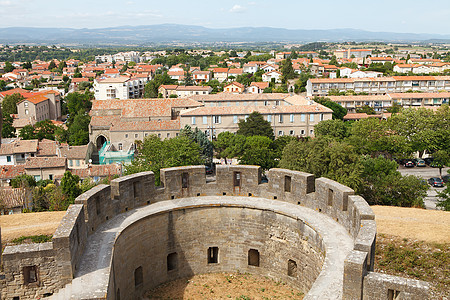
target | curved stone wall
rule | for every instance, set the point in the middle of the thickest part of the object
(85, 252)
(230, 232)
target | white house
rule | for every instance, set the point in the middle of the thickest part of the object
(275, 75)
(257, 87)
(119, 88)
(250, 68)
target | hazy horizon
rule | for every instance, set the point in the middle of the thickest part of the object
(401, 16)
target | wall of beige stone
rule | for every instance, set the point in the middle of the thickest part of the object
(190, 232)
(104, 202)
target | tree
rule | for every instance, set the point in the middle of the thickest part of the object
(339, 112)
(27, 65)
(322, 157)
(9, 103)
(151, 88)
(280, 143)
(334, 61)
(8, 131)
(441, 158)
(366, 109)
(233, 53)
(22, 181)
(202, 140)
(52, 65)
(332, 128)
(287, 70)
(155, 154)
(444, 199)
(27, 132)
(78, 130)
(76, 102)
(255, 125)
(70, 187)
(258, 150)
(188, 79)
(8, 67)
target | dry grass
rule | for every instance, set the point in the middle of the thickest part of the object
(224, 286)
(29, 224)
(430, 226)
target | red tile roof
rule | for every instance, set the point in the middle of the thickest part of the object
(45, 162)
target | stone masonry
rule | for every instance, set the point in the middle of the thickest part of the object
(118, 241)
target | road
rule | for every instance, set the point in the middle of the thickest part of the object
(425, 173)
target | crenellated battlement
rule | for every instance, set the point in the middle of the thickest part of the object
(103, 203)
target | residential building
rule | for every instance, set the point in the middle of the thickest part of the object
(119, 88)
(294, 120)
(77, 156)
(17, 151)
(272, 76)
(375, 86)
(250, 68)
(183, 91)
(257, 87)
(234, 87)
(220, 74)
(201, 76)
(381, 102)
(41, 106)
(43, 168)
(230, 99)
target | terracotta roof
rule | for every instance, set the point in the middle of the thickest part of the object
(8, 172)
(47, 148)
(169, 86)
(419, 95)
(220, 70)
(112, 71)
(20, 123)
(75, 80)
(359, 98)
(121, 79)
(265, 110)
(19, 146)
(74, 152)
(103, 120)
(408, 78)
(235, 71)
(36, 99)
(98, 171)
(23, 92)
(235, 83)
(261, 85)
(45, 162)
(193, 88)
(358, 116)
(239, 97)
(144, 107)
(153, 125)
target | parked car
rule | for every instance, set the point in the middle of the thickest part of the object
(428, 160)
(420, 163)
(209, 170)
(446, 178)
(409, 164)
(436, 182)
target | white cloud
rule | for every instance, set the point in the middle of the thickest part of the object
(237, 9)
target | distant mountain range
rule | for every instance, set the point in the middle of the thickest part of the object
(169, 33)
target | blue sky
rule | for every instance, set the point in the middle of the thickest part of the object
(415, 16)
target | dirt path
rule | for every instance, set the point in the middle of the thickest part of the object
(14, 226)
(413, 223)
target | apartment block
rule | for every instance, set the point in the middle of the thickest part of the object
(378, 86)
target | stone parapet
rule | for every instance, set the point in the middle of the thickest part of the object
(100, 205)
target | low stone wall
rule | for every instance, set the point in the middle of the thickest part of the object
(104, 202)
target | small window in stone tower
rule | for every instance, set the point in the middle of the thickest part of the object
(138, 277)
(172, 261)
(330, 197)
(97, 205)
(136, 186)
(287, 183)
(253, 257)
(237, 178)
(292, 268)
(185, 180)
(30, 274)
(213, 255)
(393, 294)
